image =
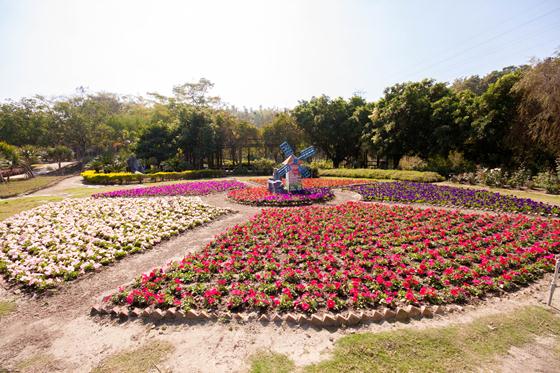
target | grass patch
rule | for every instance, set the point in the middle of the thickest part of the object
(367, 173)
(270, 362)
(456, 348)
(142, 359)
(38, 363)
(6, 307)
(16, 186)
(547, 198)
(14, 206)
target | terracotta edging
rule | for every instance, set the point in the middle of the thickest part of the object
(348, 318)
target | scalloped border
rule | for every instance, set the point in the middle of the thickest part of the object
(350, 318)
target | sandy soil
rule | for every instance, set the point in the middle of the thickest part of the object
(59, 327)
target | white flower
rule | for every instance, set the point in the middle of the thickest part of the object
(39, 247)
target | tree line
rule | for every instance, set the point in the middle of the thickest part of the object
(507, 118)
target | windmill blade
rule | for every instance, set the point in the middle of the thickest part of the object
(307, 153)
(283, 170)
(286, 149)
(304, 172)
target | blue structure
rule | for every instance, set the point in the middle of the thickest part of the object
(291, 169)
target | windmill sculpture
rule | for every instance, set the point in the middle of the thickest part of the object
(292, 169)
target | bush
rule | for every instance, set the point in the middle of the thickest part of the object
(412, 163)
(92, 177)
(548, 181)
(325, 164)
(366, 173)
(263, 165)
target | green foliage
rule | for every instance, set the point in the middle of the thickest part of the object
(91, 177)
(269, 362)
(412, 163)
(334, 125)
(366, 173)
(158, 142)
(59, 154)
(263, 165)
(282, 128)
(321, 163)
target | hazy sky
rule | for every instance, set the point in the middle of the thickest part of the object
(272, 53)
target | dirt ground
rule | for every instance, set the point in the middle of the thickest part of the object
(56, 333)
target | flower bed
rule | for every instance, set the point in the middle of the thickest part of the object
(59, 241)
(352, 256)
(409, 192)
(319, 182)
(195, 188)
(260, 196)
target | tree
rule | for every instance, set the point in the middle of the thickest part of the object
(196, 93)
(157, 142)
(196, 135)
(539, 105)
(330, 125)
(491, 143)
(282, 128)
(59, 154)
(404, 120)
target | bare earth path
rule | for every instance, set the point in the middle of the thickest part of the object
(59, 330)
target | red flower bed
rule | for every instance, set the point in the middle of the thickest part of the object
(260, 196)
(320, 183)
(351, 256)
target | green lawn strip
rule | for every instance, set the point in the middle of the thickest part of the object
(141, 359)
(14, 206)
(368, 173)
(16, 187)
(464, 347)
(270, 362)
(534, 195)
(6, 307)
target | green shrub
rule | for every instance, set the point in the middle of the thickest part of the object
(263, 165)
(325, 164)
(366, 173)
(92, 177)
(412, 163)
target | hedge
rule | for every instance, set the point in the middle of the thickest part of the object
(92, 177)
(367, 173)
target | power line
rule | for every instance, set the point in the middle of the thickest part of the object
(483, 42)
(502, 47)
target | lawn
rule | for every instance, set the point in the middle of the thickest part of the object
(16, 186)
(457, 348)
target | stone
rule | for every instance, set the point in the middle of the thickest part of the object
(426, 311)
(388, 314)
(123, 312)
(316, 320)
(439, 310)
(192, 315)
(413, 311)
(353, 318)
(276, 318)
(292, 318)
(157, 314)
(375, 316)
(171, 313)
(329, 320)
(264, 318)
(401, 315)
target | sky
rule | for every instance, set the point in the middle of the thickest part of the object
(263, 52)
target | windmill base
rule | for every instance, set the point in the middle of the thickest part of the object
(275, 186)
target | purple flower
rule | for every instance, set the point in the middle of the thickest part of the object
(409, 192)
(197, 188)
